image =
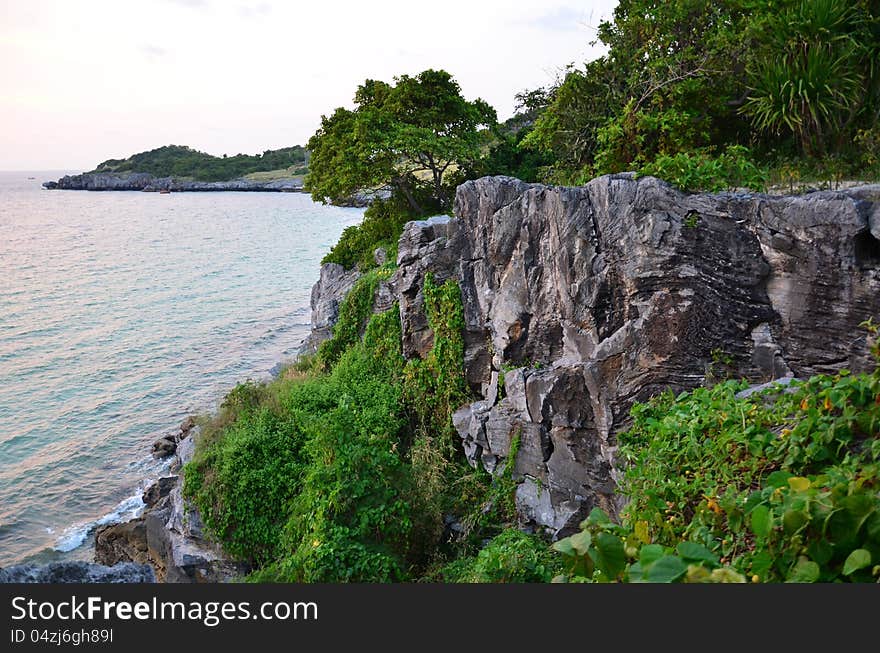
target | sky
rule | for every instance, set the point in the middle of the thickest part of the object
(87, 80)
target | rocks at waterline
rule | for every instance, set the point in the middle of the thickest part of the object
(167, 444)
(78, 572)
(169, 535)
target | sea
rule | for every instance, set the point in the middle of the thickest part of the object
(121, 313)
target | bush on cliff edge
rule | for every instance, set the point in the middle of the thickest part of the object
(781, 486)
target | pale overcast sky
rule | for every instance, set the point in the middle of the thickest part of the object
(87, 80)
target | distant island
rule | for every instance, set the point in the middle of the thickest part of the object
(181, 168)
(181, 161)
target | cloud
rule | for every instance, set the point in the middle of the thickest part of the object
(153, 51)
(192, 4)
(255, 10)
(560, 19)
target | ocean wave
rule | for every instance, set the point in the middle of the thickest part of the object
(74, 536)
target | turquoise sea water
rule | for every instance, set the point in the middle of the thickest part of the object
(120, 314)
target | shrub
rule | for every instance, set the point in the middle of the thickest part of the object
(382, 226)
(510, 557)
(435, 386)
(353, 315)
(700, 171)
(780, 486)
(242, 483)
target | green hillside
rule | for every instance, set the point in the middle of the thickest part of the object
(183, 161)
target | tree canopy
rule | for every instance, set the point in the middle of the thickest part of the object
(683, 79)
(412, 136)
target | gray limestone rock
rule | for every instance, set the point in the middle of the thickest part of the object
(327, 294)
(603, 295)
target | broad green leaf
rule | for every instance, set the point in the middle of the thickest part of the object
(874, 527)
(667, 569)
(565, 547)
(581, 542)
(843, 529)
(805, 571)
(799, 483)
(793, 521)
(821, 551)
(860, 506)
(635, 573)
(612, 557)
(858, 559)
(650, 553)
(696, 552)
(761, 521)
(777, 479)
(761, 563)
(597, 516)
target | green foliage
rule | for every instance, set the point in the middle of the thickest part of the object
(382, 226)
(812, 77)
(354, 311)
(565, 132)
(666, 86)
(321, 475)
(242, 483)
(700, 171)
(510, 557)
(683, 81)
(435, 386)
(777, 486)
(407, 136)
(780, 485)
(351, 520)
(507, 155)
(181, 161)
(314, 488)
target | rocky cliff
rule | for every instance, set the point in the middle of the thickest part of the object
(581, 301)
(143, 181)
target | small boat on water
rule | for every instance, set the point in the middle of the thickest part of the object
(164, 191)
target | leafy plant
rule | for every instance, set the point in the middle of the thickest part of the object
(510, 557)
(606, 552)
(809, 82)
(354, 311)
(435, 386)
(700, 171)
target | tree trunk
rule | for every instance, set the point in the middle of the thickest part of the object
(404, 188)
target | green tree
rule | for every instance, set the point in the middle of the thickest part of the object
(408, 135)
(670, 82)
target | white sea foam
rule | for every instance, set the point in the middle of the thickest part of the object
(73, 536)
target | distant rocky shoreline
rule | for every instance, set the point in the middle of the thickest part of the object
(142, 181)
(145, 182)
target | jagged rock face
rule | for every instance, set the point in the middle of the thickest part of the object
(589, 299)
(327, 294)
